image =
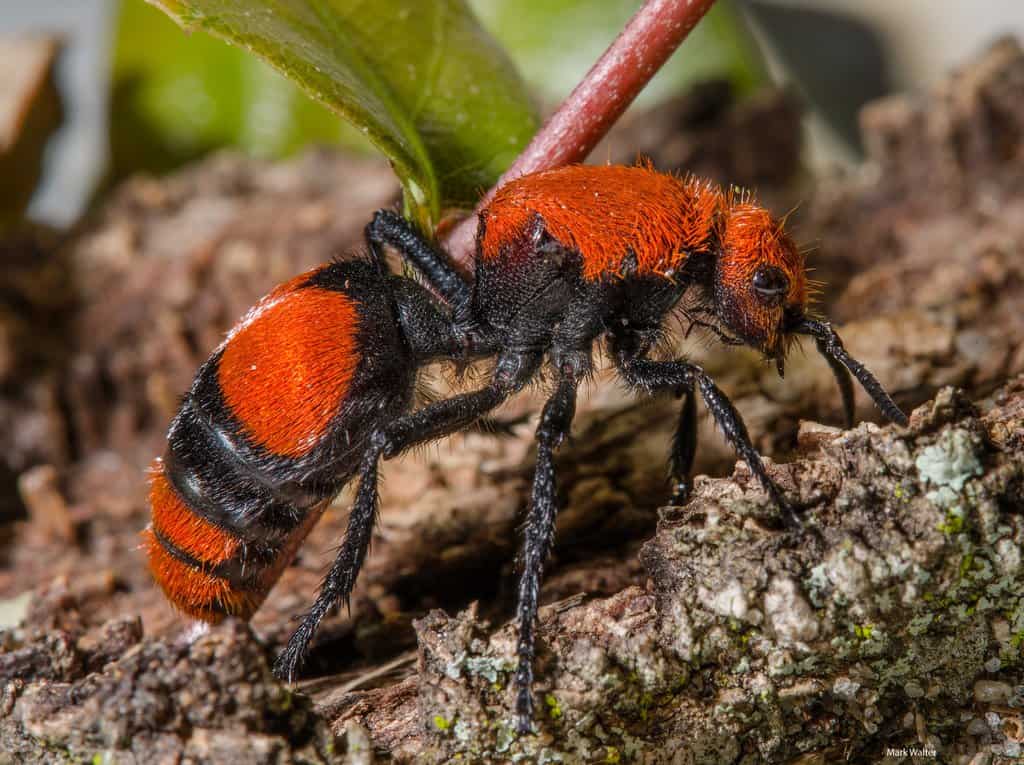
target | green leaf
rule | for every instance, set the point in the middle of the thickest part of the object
(422, 80)
(176, 97)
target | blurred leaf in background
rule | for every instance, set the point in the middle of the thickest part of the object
(421, 79)
(177, 96)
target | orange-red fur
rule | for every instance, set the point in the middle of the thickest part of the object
(286, 368)
(604, 212)
(175, 521)
(194, 591)
(284, 373)
(751, 238)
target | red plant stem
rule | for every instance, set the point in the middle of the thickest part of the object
(583, 119)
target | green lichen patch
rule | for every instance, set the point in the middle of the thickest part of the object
(553, 706)
(952, 460)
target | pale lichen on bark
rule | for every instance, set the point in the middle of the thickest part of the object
(750, 642)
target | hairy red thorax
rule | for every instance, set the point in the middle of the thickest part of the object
(605, 213)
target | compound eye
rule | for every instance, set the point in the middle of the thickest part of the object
(771, 284)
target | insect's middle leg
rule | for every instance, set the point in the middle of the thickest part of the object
(538, 533)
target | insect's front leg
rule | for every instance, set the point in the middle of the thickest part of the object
(654, 376)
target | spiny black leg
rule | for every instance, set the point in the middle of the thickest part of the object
(735, 432)
(536, 546)
(652, 376)
(337, 585)
(389, 228)
(555, 422)
(655, 376)
(843, 380)
(426, 424)
(684, 449)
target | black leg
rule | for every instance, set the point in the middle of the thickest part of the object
(735, 431)
(831, 347)
(652, 376)
(538, 533)
(389, 228)
(843, 380)
(684, 449)
(337, 585)
(430, 422)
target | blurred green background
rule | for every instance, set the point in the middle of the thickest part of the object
(176, 96)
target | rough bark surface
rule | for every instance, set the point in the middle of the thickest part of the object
(696, 634)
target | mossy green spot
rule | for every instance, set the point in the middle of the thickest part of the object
(863, 631)
(966, 563)
(645, 702)
(554, 707)
(953, 524)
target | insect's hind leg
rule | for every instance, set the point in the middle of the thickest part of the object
(555, 422)
(337, 585)
(390, 229)
(426, 424)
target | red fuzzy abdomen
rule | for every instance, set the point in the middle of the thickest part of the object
(274, 424)
(287, 367)
(190, 580)
(212, 579)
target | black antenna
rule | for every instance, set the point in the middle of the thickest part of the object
(831, 347)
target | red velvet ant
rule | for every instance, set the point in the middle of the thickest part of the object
(315, 385)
